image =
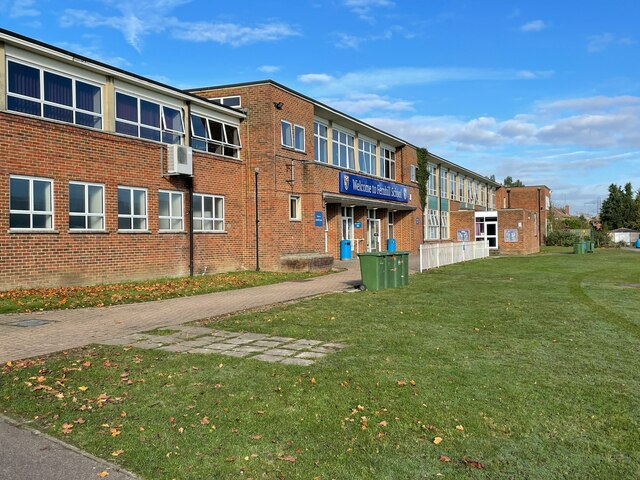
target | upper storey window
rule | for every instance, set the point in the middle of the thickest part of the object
(43, 93)
(233, 101)
(388, 163)
(367, 157)
(320, 142)
(147, 119)
(213, 136)
(343, 151)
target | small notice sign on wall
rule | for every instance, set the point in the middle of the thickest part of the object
(318, 218)
(510, 235)
(463, 235)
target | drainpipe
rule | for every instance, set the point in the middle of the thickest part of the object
(508, 198)
(190, 186)
(539, 221)
(257, 171)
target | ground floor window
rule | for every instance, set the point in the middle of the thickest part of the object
(391, 224)
(170, 210)
(444, 225)
(433, 222)
(132, 208)
(208, 213)
(347, 225)
(86, 206)
(295, 207)
(30, 203)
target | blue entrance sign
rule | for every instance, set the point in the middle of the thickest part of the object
(319, 218)
(371, 187)
(357, 224)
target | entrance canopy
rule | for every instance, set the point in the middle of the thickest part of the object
(348, 200)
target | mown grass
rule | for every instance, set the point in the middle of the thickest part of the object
(536, 358)
(38, 299)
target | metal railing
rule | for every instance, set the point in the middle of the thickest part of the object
(434, 255)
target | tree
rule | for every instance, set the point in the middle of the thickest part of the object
(509, 182)
(422, 178)
(619, 210)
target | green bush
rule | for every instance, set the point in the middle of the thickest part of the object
(603, 239)
(561, 238)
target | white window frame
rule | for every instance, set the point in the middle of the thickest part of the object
(199, 216)
(461, 181)
(171, 217)
(336, 159)
(452, 185)
(210, 141)
(388, 162)
(86, 214)
(295, 216)
(431, 186)
(433, 223)
(296, 129)
(132, 216)
(223, 100)
(318, 139)
(368, 151)
(31, 212)
(444, 183)
(391, 224)
(444, 224)
(161, 129)
(412, 173)
(288, 137)
(41, 100)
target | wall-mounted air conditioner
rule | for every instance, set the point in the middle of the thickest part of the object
(180, 160)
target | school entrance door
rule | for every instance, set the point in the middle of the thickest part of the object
(374, 240)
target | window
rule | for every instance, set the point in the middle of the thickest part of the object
(492, 199)
(47, 94)
(431, 190)
(443, 183)
(170, 210)
(391, 224)
(208, 213)
(444, 225)
(320, 142)
(86, 206)
(433, 224)
(146, 119)
(367, 157)
(30, 203)
(483, 195)
(388, 163)
(461, 188)
(232, 101)
(535, 224)
(295, 210)
(474, 189)
(343, 154)
(469, 195)
(412, 173)
(292, 136)
(452, 185)
(213, 136)
(132, 208)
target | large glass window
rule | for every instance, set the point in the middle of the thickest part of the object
(232, 101)
(320, 142)
(431, 186)
(132, 208)
(433, 222)
(367, 158)
(443, 183)
(52, 95)
(444, 225)
(30, 203)
(170, 210)
(461, 188)
(343, 149)
(292, 136)
(86, 206)
(387, 163)
(208, 213)
(452, 185)
(143, 118)
(214, 136)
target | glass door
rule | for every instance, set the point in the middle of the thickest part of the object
(374, 239)
(347, 226)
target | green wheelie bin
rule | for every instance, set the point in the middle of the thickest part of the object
(373, 269)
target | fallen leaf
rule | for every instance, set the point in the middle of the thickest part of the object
(79, 421)
(459, 427)
(383, 423)
(123, 414)
(472, 463)
(437, 440)
(114, 432)
(86, 364)
(412, 382)
(313, 380)
(102, 474)
(67, 428)
(444, 458)
(287, 458)
(360, 407)
(83, 388)
(256, 437)
(181, 430)
(204, 420)
(117, 452)
(401, 383)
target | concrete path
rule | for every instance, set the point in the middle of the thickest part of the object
(26, 454)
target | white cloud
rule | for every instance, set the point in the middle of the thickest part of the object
(321, 78)
(139, 19)
(23, 8)
(534, 74)
(363, 8)
(533, 26)
(268, 68)
(358, 104)
(91, 49)
(597, 103)
(598, 43)
(346, 40)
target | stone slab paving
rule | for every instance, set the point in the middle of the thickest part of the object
(258, 346)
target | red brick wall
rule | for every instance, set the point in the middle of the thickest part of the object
(522, 221)
(462, 220)
(529, 198)
(41, 148)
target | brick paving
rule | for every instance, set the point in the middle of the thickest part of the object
(205, 341)
(75, 328)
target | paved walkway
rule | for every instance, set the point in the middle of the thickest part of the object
(75, 328)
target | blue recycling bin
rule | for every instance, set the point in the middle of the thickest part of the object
(345, 249)
(391, 244)
(638, 243)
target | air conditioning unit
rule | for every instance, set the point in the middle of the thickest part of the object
(180, 160)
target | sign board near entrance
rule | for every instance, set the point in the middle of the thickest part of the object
(374, 188)
(357, 224)
(318, 218)
(510, 235)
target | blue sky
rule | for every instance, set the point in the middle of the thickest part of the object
(545, 91)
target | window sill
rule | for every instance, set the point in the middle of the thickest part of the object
(295, 220)
(87, 230)
(293, 149)
(135, 232)
(38, 231)
(209, 232)
(175, 232)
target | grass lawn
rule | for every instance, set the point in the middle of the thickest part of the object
(36, 299)
(524, 367)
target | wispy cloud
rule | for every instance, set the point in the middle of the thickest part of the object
(90, 47)
(269, 68)
(347, 40)
(358, 104)
(315, 78)
(22, 8)
(363, 8)
(534, 26)
(136, 20)
(598, 43)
